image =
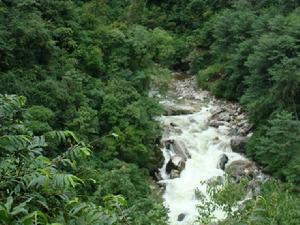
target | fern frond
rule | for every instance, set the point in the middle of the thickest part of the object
(10, 104)
(78, 151)
(14, 142)
(63, 136)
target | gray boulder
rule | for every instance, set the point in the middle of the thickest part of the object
(178, 148)
(175, 163)
(238, 144)
(181, 150)
(222, 162)
(174, 110)
(242, 168)
(181, 217)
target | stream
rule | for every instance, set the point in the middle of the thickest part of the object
(197, 145)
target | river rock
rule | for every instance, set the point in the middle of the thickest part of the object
(174, 110)
(217, 123)
(175, 163)
(168, 144)
(222, 161)
(181, 217)
(215, 111)
(245, 129)
(238, 144)
(241, 168)
(225, 116)
(178, 148)
(172, 128)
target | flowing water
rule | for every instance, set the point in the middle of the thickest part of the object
(205, 145)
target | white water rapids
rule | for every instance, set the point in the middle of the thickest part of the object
(205, 145)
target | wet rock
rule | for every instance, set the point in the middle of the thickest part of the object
(174, 110)
(222, 161)
(169, 166)
(175, 163)
(172, 129)
(181, 150)
(242, 168)
(181, 217)
(168, 144)
(238, 144)
(178, 148)
(217, 123)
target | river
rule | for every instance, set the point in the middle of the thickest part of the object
(190, 123)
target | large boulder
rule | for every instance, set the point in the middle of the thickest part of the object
(238, 144)
(174, 110)
(222, 162)
(242, 168)
(178, 148)
(175, 163)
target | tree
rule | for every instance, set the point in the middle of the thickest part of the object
(276, 146)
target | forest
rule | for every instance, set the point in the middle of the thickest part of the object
(79, 142)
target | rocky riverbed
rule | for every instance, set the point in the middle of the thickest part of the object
(203, 137)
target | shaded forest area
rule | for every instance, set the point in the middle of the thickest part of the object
(78, 138)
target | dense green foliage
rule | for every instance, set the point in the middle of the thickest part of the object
(274, 205)
(54, 179)
(255, 50)
(86, 67)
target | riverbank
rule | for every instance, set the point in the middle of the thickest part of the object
(199, 135)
